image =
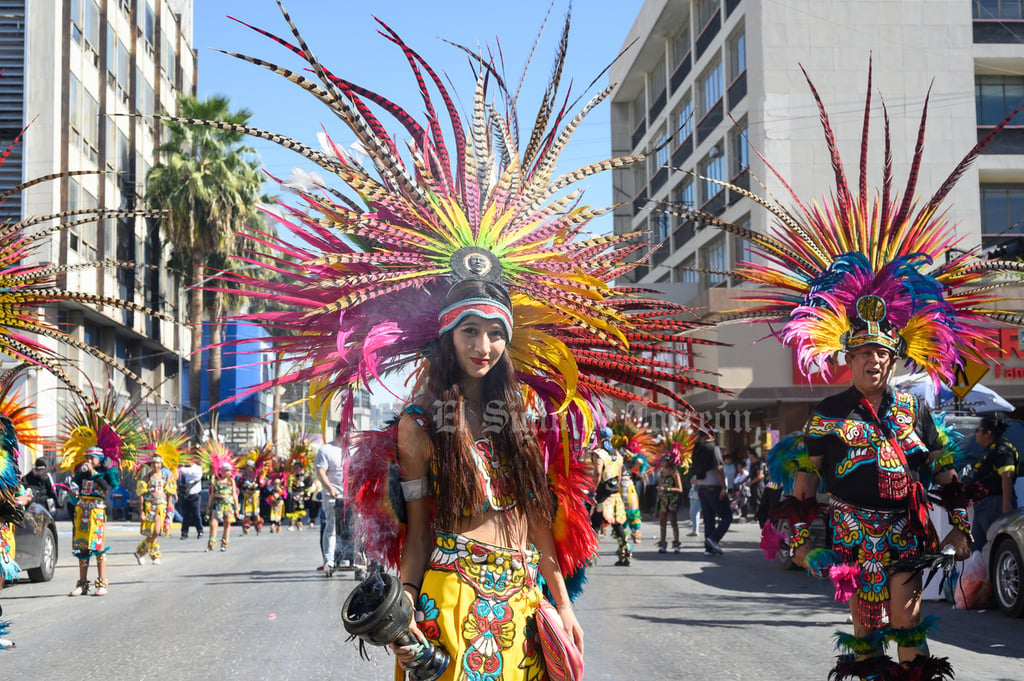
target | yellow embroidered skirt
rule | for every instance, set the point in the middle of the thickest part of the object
(154, 515)
(477, 602)
(90, 528)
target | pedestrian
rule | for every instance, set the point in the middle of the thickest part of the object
(190, 491)
(40, 482)
(479, 513)
(331, 462)
(94, 477)
(740, 492)
(694, 499)
(154, 485)
(755, 482)
(996, 472)
(707, 468)
(670, 491)
(222, 505)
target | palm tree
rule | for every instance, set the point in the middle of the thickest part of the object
(209, 186)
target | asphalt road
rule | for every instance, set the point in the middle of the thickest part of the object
(262, 611)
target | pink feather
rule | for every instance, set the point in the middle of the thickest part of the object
(846, 579)
(771, 541)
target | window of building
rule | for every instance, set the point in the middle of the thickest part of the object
(995, 97)
(110, 148)
(639, 110)
(148, 19)
(75, 110)
(705, 10)
(82, 238)
(684, 193)
(710, 86)
(998, 9)
(124, 70)
(1002, 211)
(658, 82)
(741, 247)
(684, 120)
(737, 51)
(93, 337)
(662, 142)
(168, 58)
(711, 167)
(84, 117)
(739, 148)
(85, 24)
(124, 152)
(715, 259)
(639, 178)
(661, 227)
(686, 271)
(681, 43)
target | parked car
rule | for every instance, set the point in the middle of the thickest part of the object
(35, 540)
(1003, 554)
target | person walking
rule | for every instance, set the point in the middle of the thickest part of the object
(222, 505)
(336, 537)
(93, 478)
(711, 490)
(996, 472)
(156, 484)
(755, 483)
(190, 491)
(670, 492)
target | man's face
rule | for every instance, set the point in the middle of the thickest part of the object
(870, 366)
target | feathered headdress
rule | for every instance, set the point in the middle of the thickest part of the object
(170, 443)
(262, 458)
(632, 435)
(677, 445)
(114, 427)
(215, 457)
(854, 270)
(365, 277)
(17, 426)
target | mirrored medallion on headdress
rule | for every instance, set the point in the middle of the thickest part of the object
(474, 262)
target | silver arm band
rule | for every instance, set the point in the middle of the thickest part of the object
(414, 490)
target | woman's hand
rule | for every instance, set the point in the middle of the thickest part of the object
(406, 654)
(571, 625)
(959, 541)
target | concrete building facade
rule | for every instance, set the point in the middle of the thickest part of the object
(74, 71)
(703, 76)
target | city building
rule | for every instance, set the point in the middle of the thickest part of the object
(73, 71)
(705, 83)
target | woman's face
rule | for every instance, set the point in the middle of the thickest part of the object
(479, 344)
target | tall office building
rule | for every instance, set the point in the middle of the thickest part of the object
(704, 76)
(73, 70)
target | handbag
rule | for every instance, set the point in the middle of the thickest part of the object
(562, 658)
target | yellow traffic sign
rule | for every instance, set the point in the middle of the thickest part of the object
(967, 377)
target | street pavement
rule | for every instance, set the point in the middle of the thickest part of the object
(262, 611)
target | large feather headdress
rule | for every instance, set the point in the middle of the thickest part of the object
(17, 426)
(854, 269)
(168, 442)
(114, 427)
(215, 457)
(364, 270)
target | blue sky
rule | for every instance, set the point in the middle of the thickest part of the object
(344, 37)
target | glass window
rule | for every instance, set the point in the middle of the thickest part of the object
(737, 55)
(110, 148)
(681, 43)
(995, 97)
(90, 125)
(639, 110)
(639, 178)
(662, 227)
(715, 260)
(124, 67)
(662, 141)
(111, 51)
(123, 152)
(1002, 210)
(92, 24)
(686, 272)
(705, 10)
(684, 194)
(712, 167)
(710, 87)
(168, 58)
(998, 9)
(684, 120)
(658, 83)
(150, 27)
(76, 20)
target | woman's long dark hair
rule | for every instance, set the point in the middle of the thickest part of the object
(515, 441)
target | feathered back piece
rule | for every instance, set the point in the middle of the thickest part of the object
(853, 270)
(114, 427)
(262, 458)
(364, 270)
(215, 457)
(171, 444)
(678, 446)
(302, 451)
(17, 425)
(22, 414)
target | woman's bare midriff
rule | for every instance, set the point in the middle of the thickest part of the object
(500, 528)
